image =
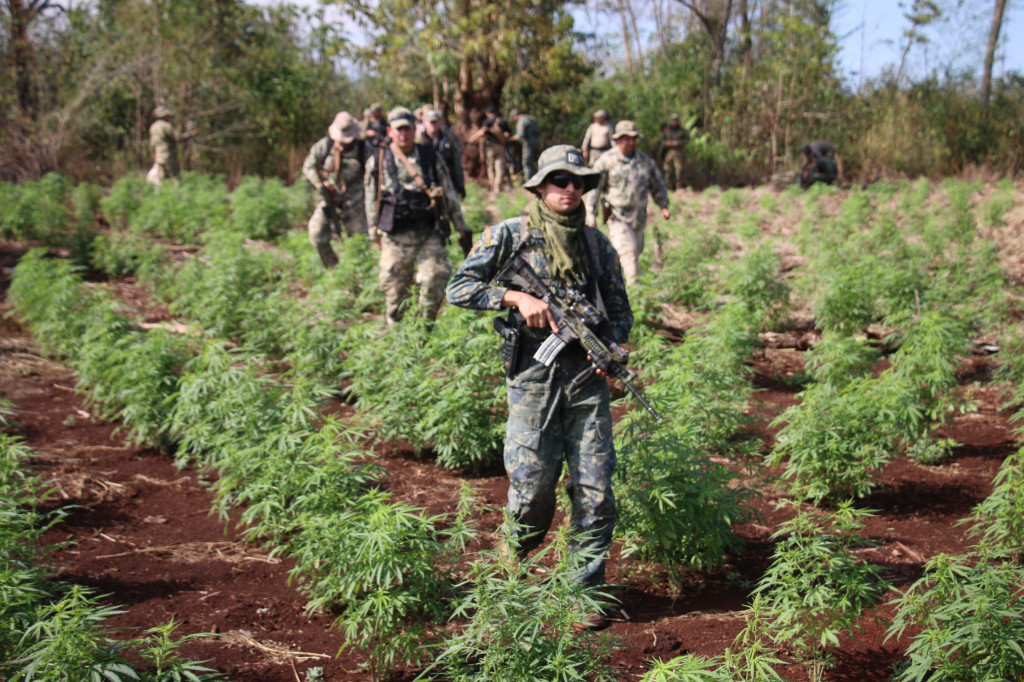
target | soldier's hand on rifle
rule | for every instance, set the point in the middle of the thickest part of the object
(598, 371)
(534, 311)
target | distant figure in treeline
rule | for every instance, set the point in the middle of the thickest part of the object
(496, 134)
(598, 138)
(164, 139)
(528, 136)
(673, 156)
(819, 163)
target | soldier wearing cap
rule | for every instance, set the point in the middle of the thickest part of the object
(598, 138)
(447, 145)
(550, 419)
(334, 167)
(528, 136)
(410, 203)
(673, 144)
(163, 140)
(628, 177)
(374, 129)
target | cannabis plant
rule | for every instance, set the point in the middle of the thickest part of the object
(522, 626)
(750, 658)
(260, 208)
(965, 620)
(380, 573)
(816, 589)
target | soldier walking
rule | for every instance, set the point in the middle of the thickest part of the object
(495, 133)
(598, 138)
(163, 140)
(673, 143)
(334, 167)
(528, 136)
(628, 178)
(551, 419)
(410, 204)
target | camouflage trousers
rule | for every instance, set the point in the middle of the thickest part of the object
(321, 228)
(159, 172)
(529, 161)
(494, 157)
(672, 167)
(628, 240)
(550, 421)
(413, 256)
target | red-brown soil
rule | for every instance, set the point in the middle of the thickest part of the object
(141, 531)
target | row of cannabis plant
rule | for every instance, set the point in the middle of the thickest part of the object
(306, 485)
(53, 630)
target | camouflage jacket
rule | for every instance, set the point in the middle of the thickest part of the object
(320, 165)
(626, 184)
(471, 286)
(439, 175)
(674, 134)
(164, 141)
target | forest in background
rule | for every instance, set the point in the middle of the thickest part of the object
(754, 79)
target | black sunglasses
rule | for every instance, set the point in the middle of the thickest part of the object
(563, 180)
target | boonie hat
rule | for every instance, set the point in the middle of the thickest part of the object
(161, 112)
(624, 128)
(400, 117)
(563, 157)
(344, 129)
(674, 118)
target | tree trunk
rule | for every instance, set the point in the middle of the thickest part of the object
(990, 51)
(21, 55)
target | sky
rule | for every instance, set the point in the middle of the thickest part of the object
(870, 34)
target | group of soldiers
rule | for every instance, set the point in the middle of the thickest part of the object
(399, 179)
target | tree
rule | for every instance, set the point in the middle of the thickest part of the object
(462, 52)
(990, 51)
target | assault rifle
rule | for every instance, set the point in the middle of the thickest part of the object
(577, 318)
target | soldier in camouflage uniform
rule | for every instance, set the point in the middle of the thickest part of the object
(409, 225)
(164, 139)
(447, 145)
(628, 177)
(528, 136)
(373, 125)
(673, 143)
(334, 167)
(550, 419)
(495, 135)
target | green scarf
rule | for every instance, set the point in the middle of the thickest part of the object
(567, 260)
